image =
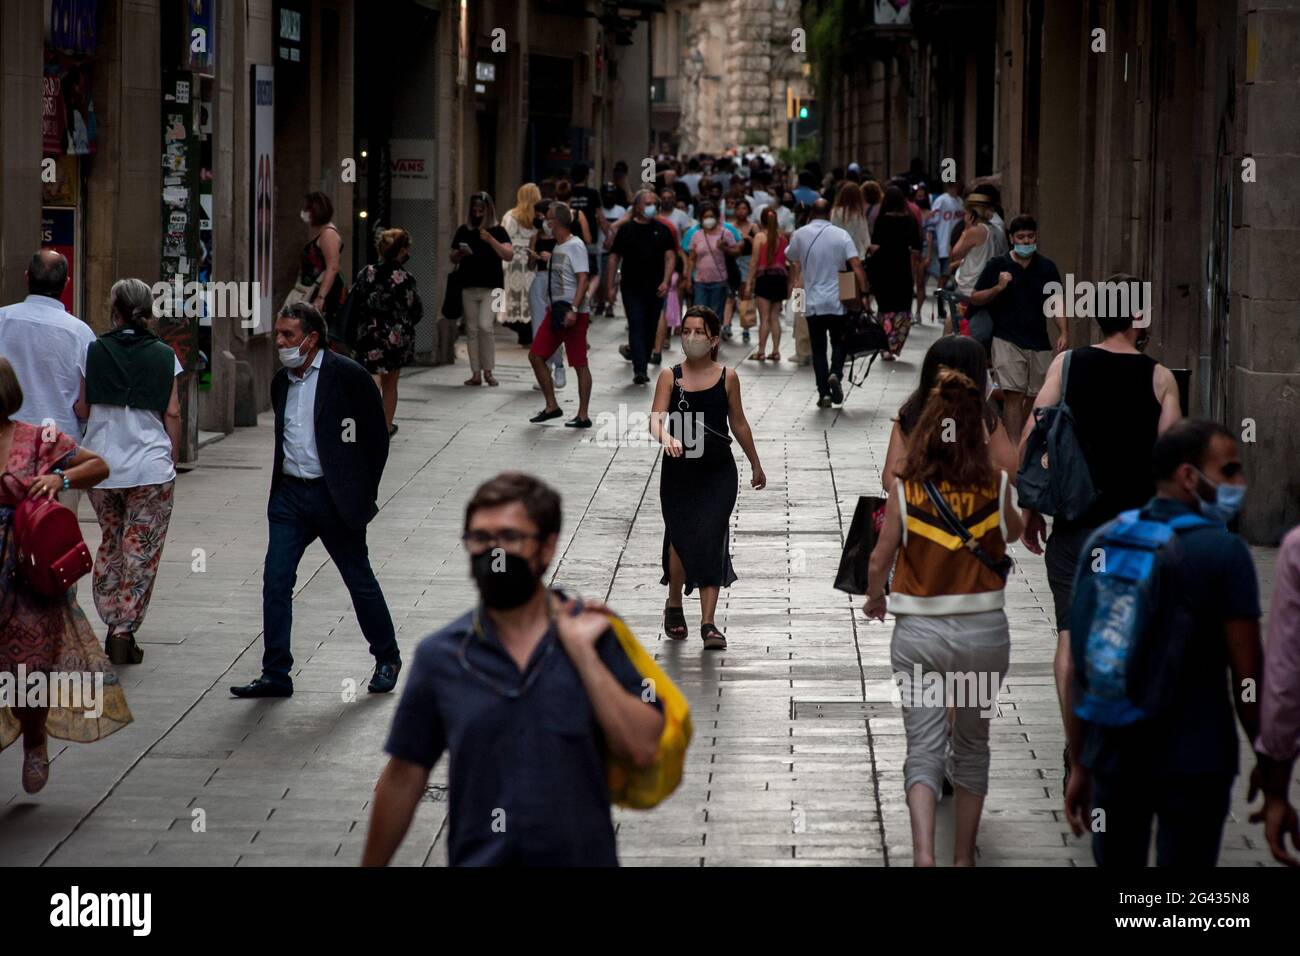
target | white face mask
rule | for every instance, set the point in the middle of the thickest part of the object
(650, 210)
(291, 357)
(305, 216)
(546, 228)
(696, 347)
(710, 223)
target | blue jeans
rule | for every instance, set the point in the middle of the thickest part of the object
(714, 295)
(642, 322)
(299, 513)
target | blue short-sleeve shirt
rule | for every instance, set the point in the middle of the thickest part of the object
(527, 782)
(1215, 577)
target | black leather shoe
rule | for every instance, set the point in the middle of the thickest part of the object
(385, 677)
(263, 687)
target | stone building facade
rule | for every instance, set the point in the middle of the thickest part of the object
(1154, 137)
(736, 59)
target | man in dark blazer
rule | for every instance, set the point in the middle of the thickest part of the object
(331, 444)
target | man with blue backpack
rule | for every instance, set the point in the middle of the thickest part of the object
(1166, 604)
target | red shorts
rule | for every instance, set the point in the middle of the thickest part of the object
(574, 339)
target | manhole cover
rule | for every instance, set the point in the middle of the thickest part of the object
(843, 709)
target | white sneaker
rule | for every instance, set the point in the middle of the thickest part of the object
(558, 375)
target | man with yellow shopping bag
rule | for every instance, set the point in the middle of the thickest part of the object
(549, 708)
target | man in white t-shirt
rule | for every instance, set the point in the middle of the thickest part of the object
(47, 348)
(822, 251)
(567, 275)
(948, 210)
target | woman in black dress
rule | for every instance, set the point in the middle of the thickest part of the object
(320, 261)
(889, 267)
(696, 410)
(388, 310)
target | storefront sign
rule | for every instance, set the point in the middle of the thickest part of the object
(179, 208)
(59, 232)
(892, 13)
(71, 25)
(262, 189)
(411, 167)
(200, 37)
(67, 110)
(291, 32)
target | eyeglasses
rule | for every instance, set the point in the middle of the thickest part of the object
(507, 538)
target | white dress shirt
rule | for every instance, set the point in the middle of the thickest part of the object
(47, 348)
(300, 457)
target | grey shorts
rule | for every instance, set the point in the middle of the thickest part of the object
(953, 660)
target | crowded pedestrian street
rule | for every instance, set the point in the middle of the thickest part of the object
(798, 750)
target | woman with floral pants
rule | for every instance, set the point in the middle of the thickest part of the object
(132, 404)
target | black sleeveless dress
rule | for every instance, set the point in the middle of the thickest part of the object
(698, 494)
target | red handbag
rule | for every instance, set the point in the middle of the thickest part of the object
(52, 554)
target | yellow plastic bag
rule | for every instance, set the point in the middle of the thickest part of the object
(640, 788)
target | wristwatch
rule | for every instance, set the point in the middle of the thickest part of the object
(59, 471)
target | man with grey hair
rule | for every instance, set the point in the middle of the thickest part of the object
(47, 347)
(648, 252)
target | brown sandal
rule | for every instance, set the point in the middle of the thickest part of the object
(121, 648)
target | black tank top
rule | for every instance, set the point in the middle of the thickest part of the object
(1115, 416)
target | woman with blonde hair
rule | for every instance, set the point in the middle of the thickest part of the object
(519, 226)
(388, 310)
(41, 634)
(947, 524)
(850, 213)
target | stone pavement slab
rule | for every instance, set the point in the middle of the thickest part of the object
(798, 753)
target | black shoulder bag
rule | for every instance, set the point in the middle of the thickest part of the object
(1001, 567)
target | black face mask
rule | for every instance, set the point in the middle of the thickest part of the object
(475, 219)
(505, 581)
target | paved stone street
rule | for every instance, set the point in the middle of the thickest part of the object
(798, 753)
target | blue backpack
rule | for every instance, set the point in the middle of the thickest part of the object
(1128, 630)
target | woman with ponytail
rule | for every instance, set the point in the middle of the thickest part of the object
(130, 396)
(948, 519)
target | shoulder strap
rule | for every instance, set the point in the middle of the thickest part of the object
(955, 525)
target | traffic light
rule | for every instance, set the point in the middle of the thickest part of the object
(803, 112)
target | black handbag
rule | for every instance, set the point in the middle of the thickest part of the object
(452, 306)
(862, 335)
(858, 545)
